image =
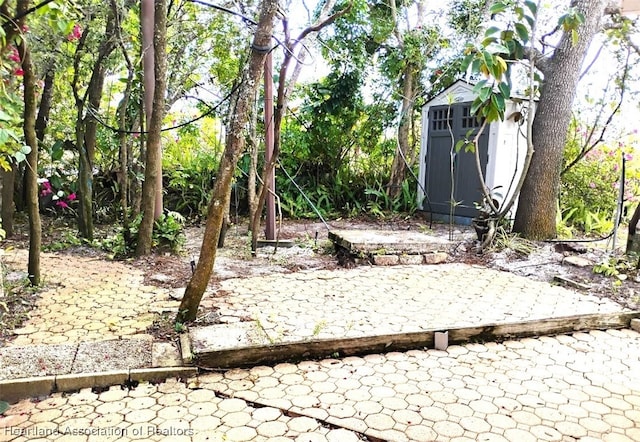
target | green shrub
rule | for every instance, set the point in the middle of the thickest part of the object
(168, 233)
(589, 189)
(190, 161)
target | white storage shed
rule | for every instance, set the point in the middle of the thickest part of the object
(502, 146)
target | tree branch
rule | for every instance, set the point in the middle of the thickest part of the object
(11, 21)
(324, 23)
(539, 59)
(588, 147)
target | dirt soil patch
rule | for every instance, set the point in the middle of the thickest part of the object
(560, 262)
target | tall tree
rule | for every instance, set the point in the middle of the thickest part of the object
(87, 105)
(536, 213)
(285, 87)
(154, 131)
(29, 125)
(148, 24)
(413, 63)
(126, 121)
(221, 193)
(395, 39)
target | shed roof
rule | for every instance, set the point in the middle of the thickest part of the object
(459, 92)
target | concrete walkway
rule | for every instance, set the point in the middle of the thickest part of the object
(365, 309)
(582, 386)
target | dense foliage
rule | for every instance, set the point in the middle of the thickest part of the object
(340, 135)
(590, 189)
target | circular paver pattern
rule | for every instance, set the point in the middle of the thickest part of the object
(478, 401)
(584, 385)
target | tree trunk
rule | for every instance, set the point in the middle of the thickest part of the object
(45, 104)
(536, 213)
(136, 159)
(123, 175)
(86, 129)
(633, 242)
(234, 147)
(85, 186)
(398, 168)
(153, 158)
(8, 208)
(284, 90)
(124, 125)
(254, 149)
(31, 172)
(148, 57)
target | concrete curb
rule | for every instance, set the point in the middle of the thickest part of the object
(13, 390)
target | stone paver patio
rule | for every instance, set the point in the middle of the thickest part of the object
(584, 386)
(87, 299)
(578, 386)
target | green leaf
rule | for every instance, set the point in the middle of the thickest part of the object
(466, 61)
(530, 20)
(498, 102)
(519, 11)
(504, 89)
(475, 66)
(475, 106)
(498, 8)
(492, 114)
(500, 67)
(499, 49)
(518, 50)
(61, 26)
(492, 30)
(21, 155)
(57, 151)
(479, 86)
(14, 136)
(459, 145)
(470, 147)
(522, 31)
(506, 35)
(487, 41)
(5, 116)
(488, 58)
(574, 36)
(485, 93)
(532, 7)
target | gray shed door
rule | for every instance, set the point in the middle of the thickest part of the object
(447, 125)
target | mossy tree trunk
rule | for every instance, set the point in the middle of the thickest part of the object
(86, 123)
(31, 172)
(404, 147)
(221, 193)
(536, 213)
(153, 146)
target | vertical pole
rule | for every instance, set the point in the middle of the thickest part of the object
(620, 203)
(270, 230)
